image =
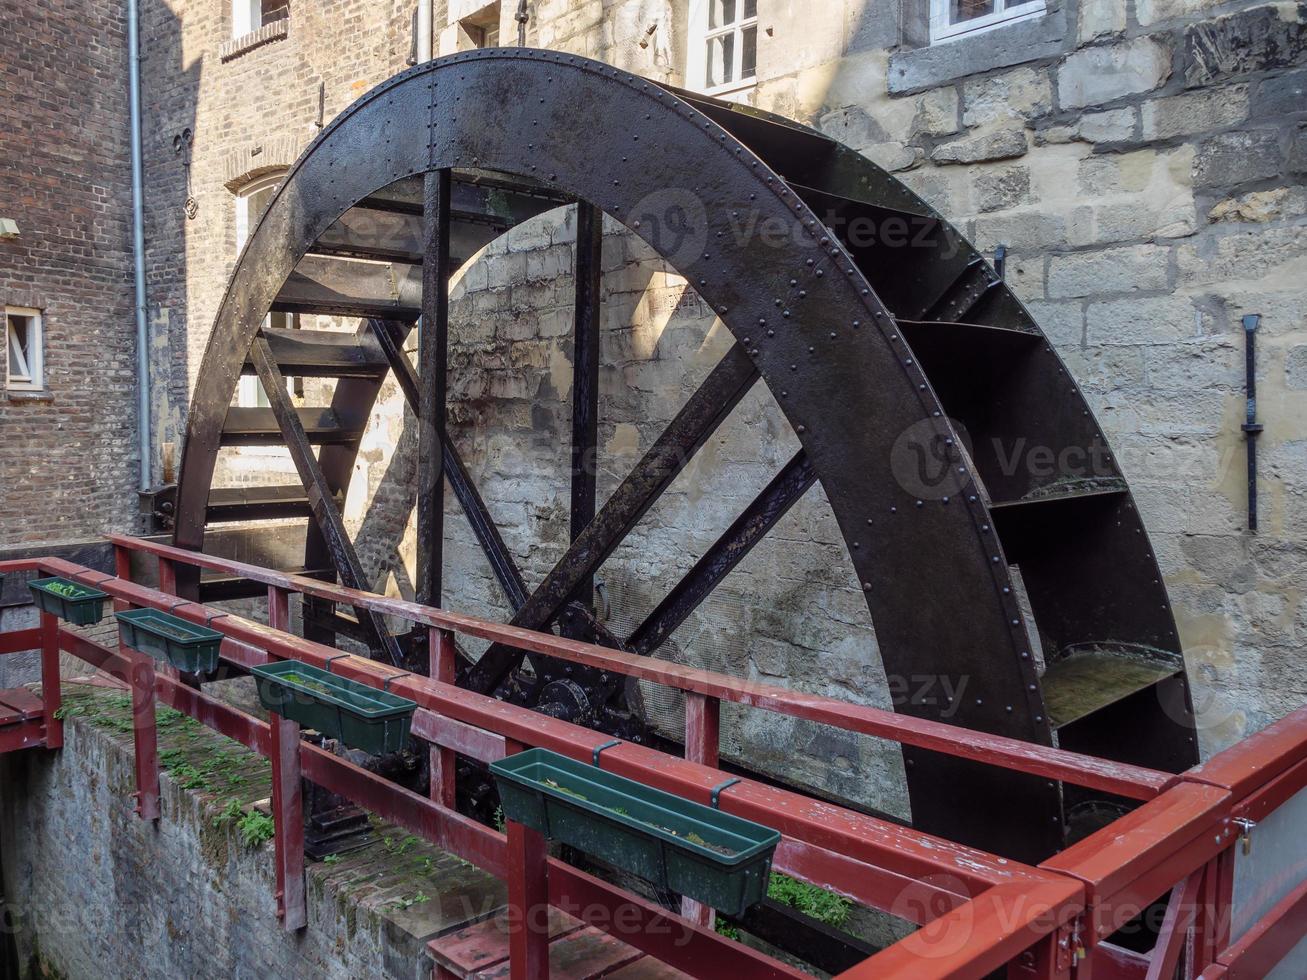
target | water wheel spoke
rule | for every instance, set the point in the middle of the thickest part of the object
(706, 409)
(483, 525)
(785, 489)
(433, 362)
(585, 377)
(321, 499)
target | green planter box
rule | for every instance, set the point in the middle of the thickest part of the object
(188, 647)
(713, 857)
(359, 716)
(80, 605)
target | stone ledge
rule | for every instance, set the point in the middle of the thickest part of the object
(1013, 44)
(237, 46)
(29, 395)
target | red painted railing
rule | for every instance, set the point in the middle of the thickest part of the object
(977, 912)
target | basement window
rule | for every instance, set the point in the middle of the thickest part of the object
(724, 57)
(252, 201)
(950, 19)
(248, 16)
(24, 357)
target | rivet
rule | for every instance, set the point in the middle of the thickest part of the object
(802, 429)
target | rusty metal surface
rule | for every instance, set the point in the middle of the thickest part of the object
(815, 317)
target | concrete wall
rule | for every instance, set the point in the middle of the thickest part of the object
(1142, 161)
(68, 453)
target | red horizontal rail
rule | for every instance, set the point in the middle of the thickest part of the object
(882, 854)
(1269, 939)
(1013, 922)
(1133, 782)
(629, 917)
(946, 949)
(986, 915)
(20, 641)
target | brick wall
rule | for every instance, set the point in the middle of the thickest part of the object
(68, 454)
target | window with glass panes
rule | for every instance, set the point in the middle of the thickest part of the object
(958, 18)
(24, 357)
(730, 39)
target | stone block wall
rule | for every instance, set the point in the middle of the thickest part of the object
(1142, 162)
(68, 453)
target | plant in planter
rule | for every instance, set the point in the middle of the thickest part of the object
(713, 857)
(357, 715)
(187, 646)
(80, 605)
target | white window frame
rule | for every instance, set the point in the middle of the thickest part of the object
(701, 34)
(246, 17)
(1005, 12)
(33, 357)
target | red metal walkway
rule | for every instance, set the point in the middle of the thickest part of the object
(975, 912)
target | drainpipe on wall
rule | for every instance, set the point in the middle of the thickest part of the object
(424, 31)
(138, 240)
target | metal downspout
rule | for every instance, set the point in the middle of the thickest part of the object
(424, 31)
(138, 241)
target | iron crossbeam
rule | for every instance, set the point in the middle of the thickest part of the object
(701, 415)
(321, 499)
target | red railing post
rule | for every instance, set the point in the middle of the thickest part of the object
(145, 737)
(528, 903)
(1212, 923)
(51, 688)
(287, 795)
(441, 666)
(702, 743)
(167, 576)
(122, 568)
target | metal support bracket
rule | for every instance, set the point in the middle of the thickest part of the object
(717, 791)
(594, 759)
(1251, 427)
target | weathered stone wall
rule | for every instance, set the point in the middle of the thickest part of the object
(92, 890)
(1143, 162)
(68, 453)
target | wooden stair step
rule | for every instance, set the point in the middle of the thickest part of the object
(921, 332)
(216, 587)
(1088, 677)
(324, 354)
(331, 286)
(257, 503)
(18, 705)
(258, 427)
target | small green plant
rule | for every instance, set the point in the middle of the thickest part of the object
(68, 711)
(499, 819)
(331, 859)
(232, 811)
(188, 777)
(255, 829)
(724, 928)
(816, 903)
(66, 589)
(408, 903)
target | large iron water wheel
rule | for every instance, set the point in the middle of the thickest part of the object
(905, 367)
